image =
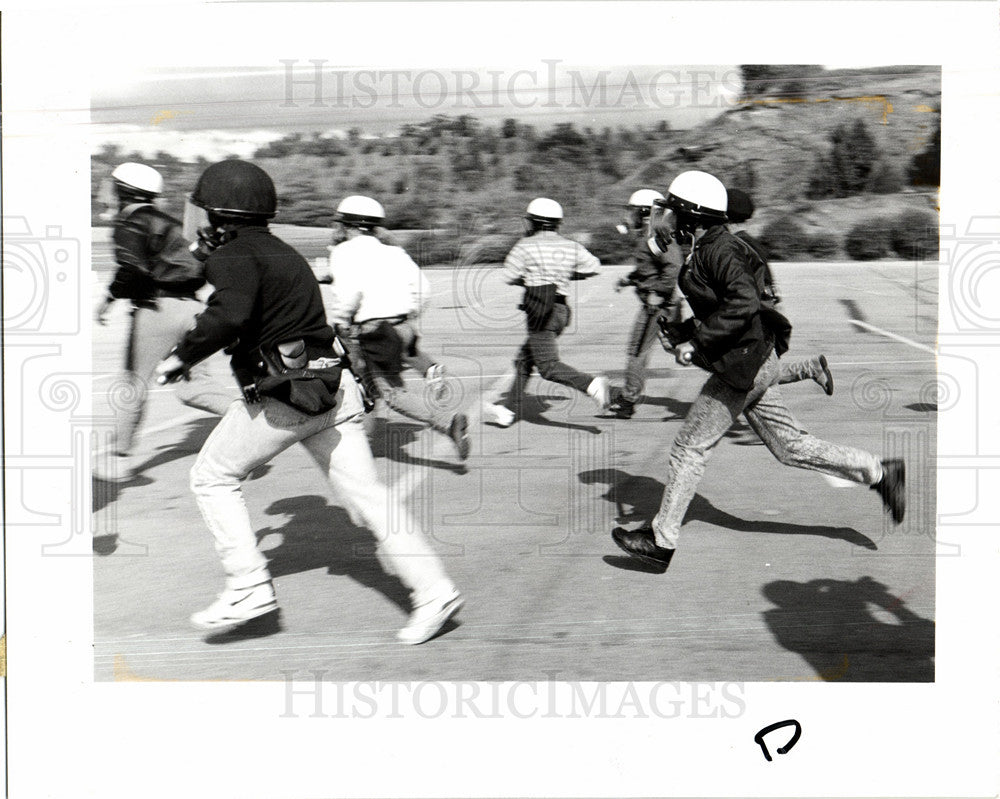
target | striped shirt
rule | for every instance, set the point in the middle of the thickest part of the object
(548, 258)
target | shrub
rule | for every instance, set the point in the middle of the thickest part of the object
(885, 179)
(611, 246)
(784, 238)
(489, 249)
(915, 235)
(925, 168)
(868, 241)
(433, 249)
(822, 245)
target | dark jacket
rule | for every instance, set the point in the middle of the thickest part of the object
(734, 331)
(265, 294)
(770, 286)
(655, 271)
(153, 257)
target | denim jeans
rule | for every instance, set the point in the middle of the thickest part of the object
(794, 371)
(645, 332)
(153, 333)
(541, 352)
(418, 404)
(251, 435)
(713, 413)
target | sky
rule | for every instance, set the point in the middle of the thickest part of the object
(216, 111)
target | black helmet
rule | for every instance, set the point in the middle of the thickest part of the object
(236, 188)
(740, 207)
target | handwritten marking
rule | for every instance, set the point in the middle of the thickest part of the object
(782, 750)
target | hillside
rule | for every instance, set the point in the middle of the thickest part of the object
(831, 149)
(771, 143)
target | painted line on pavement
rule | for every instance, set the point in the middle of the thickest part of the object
(894, 336)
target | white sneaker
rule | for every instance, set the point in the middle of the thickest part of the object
(435, 380)
(237, 605)
(113, 468)
(600, 390)
(428, 619)
(498, 415)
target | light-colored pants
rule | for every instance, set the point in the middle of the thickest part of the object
(251, 435)
(418, 405)
(152, 334)
(713, 413)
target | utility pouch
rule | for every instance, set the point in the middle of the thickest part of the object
(308, 384)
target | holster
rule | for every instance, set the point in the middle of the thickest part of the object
(304, 376)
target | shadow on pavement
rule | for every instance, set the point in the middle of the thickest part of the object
(194, 439)
(678, 408)
(387, 439)
(319, 535)
(637, 498)
(104, 493)
(830, 623)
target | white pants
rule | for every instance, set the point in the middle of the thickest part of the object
(251, 435)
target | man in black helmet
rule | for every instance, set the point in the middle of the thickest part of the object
(267, 311)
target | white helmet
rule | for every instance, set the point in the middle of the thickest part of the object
(139, 178)
(544, 213)
(644, 198)
(360, 211)
(698, 195)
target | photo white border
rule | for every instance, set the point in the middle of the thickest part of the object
(70, 737)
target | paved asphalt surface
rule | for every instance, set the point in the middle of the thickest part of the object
(780, 574)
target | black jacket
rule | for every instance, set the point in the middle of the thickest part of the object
(153, 257)
(265, 294)
(770, 286)
(734, 331)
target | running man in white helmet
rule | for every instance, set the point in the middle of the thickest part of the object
(657, 263)
(544, 262)
(738, 337)
(159, 276)
(379, 289)
(741, 208)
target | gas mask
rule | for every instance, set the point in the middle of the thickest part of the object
(204, 237)
(663, 222)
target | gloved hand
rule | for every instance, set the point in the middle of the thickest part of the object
(684, 353)
(172, 369)
(101, 314)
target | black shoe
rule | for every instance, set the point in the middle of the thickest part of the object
(825, 378)
(459, 434)
(892, 488)
(642, 545)
(622, 408)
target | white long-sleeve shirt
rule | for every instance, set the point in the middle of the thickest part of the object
(372, 280)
